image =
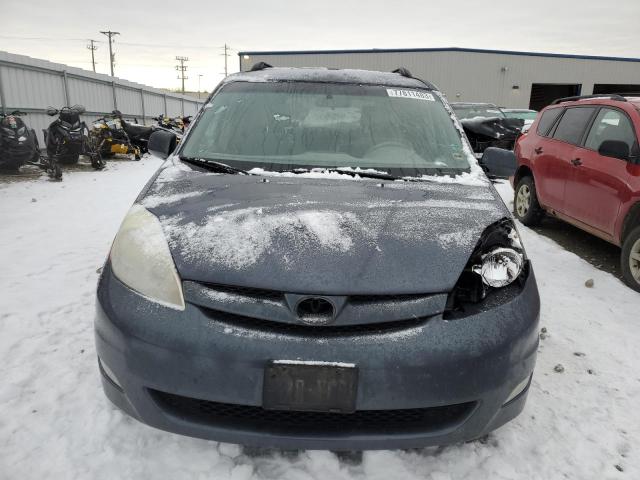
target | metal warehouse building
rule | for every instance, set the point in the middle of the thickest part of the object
(506, 78)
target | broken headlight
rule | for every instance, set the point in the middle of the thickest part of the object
(500, 267)
(497, 262)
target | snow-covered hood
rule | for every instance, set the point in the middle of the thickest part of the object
(320, 235)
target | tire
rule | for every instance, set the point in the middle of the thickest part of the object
(525, 202)
(630, 259)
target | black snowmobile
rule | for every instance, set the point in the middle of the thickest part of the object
(18, 142)
(138, 134)
(68, 137)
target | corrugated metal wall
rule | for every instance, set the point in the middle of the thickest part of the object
(32, 85)
(467, 75)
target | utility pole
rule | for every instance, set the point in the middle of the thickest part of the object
(182, 70)
(226, 55)
(112, 57)
(199, 77)
(93, 48)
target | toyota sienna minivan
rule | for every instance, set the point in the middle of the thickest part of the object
(320, 264)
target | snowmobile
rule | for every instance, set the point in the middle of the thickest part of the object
(138, 134)
(68, 137)
(18, 143)
(173, 125)
(109, 137)
(19, 146)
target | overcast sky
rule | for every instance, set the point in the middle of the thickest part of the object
(154, 32)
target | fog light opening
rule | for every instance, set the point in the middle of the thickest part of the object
(109, 375)
(521, 387)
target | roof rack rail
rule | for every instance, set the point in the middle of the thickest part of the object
(406, 73)
(612, 96)
(403, 71)
(260, 66)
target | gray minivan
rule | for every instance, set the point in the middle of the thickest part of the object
(321, 263)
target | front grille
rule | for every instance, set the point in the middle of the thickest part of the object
(275, 421)
(257, 293)
(259, 325)
(387, 298)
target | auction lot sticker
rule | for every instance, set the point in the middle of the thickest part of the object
(395, 92)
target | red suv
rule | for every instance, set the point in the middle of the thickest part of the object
(580, 162)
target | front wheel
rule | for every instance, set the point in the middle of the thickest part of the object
(525, 202)
(630, 259)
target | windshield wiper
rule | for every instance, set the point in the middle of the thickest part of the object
(214, 165)
(347, 171)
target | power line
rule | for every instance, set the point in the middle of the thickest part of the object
(182, 69)
(226, 56)
(93, 49)
(112, 57)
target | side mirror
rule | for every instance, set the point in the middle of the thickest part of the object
(614, 149)
(162, 143)
(52, 111)
(498, 162)
(79, 108)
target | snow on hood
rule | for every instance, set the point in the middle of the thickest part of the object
(323, 235)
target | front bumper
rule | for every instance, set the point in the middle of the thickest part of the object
(189, 373)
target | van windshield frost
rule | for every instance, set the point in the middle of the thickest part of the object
(283, 126)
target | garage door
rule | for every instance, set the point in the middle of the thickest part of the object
(542, 94)
(599, 88)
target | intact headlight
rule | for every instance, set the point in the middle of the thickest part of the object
(141, 259)
(500, 267)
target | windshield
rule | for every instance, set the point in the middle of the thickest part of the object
(287, 125)
(465, 112)
(522, 114)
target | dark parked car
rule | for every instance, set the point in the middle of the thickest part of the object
(486, 125)
(580, 162)
(321, 263)
(528, 116)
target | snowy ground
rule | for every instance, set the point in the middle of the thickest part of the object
(55, 422)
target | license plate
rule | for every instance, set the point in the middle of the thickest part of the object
(310, 386)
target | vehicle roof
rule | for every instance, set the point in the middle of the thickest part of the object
(605, 99)
(329, 75)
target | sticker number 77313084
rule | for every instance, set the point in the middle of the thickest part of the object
(416, 94)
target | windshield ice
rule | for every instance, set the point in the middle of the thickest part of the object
(287, 125)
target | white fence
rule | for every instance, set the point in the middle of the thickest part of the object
(31, 85)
